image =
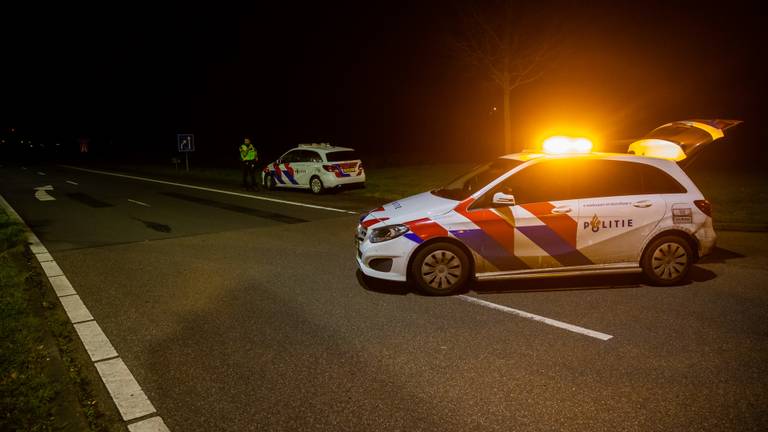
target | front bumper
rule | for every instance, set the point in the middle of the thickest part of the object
(398, 250)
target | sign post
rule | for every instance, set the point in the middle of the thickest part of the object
(186, 143)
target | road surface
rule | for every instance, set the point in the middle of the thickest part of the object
(239, 314)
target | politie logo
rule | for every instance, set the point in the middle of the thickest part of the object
(598, 224)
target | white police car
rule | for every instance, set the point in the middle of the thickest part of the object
(315, 166)
(563, 211)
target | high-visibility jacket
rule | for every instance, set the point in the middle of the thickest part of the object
(247, 152)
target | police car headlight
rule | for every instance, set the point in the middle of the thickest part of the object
(388, 232)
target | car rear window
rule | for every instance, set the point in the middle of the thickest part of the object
(341, 155)
(604, 178)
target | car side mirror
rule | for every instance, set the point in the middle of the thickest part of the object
(500, 198)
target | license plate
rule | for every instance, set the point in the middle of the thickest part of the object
(349, 170)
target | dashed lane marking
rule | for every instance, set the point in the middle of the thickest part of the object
(539, 318)
(95, 341)
(73, 183)
(139, 203)
(153, 424)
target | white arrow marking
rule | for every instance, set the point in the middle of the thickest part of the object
(42, 195)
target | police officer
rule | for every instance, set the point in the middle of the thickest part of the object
(248, 159)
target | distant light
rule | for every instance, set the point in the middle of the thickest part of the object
(566, 145)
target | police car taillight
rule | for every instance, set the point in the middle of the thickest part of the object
(704, 206)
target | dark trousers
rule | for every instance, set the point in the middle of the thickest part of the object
(249, 170)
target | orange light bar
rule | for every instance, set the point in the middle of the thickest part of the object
(566, 145)
(657, 148)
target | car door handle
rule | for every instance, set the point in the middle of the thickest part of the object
(561, 210)
(642, 204)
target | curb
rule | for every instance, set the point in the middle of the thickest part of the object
(133, 404)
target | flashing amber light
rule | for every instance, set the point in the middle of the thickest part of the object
(657, 148)
(566, 145)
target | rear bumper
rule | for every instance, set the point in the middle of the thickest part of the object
(706, 238)
(330, 179)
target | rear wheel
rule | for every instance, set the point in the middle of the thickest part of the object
(440, 269)
(667, 260)
(316, 185)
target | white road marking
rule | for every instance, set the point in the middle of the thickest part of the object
(62, 286)
(44, 257)
(545, 320)
(72, 183)
(139, 203)
(95, 341)
(42, 194)
(211, 190)
(40, 173)
(24, 168)
(128, 396)
(152, 424)
(34, 244)
(51, 269)
(75, 309)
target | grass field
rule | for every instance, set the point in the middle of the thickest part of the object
(739, 198)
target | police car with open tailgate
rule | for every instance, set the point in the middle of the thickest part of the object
(316, 167)
(562, 211)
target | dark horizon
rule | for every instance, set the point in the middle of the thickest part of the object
(381, 79)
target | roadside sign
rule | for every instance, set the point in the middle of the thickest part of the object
(186, 142)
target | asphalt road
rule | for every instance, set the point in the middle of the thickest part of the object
(237, 314)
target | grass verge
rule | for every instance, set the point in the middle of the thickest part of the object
(43, 383)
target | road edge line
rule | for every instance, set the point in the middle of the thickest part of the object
(203, 188)
(131, 405)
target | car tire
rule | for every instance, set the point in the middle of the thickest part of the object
(316, 185)
(667, 260)
(440, 268)
(269, 182)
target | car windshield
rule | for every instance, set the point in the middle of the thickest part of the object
(341, 156)
(473, 181)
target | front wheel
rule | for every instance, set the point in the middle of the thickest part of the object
(440, 269)
(667, 260)
(269, 182)
(316, 185)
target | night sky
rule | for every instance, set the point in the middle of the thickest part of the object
(377, 76)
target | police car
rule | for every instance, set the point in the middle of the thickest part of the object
(316, 167)
(560, 211)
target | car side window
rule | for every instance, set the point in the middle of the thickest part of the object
(542, 181)
(606, 178)
(656, 181)
(291, 156)
(313, 156)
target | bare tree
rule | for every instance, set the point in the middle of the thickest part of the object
(508, 56)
